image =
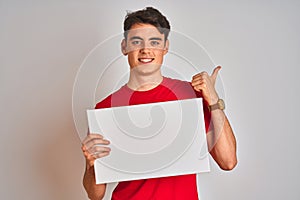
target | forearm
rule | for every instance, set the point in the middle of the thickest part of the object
(221, 141)
(220, 137)
(94, 191)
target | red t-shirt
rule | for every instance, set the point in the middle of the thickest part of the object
(182, 187)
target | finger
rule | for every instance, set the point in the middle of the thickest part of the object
(199, 81)
(96, 150)
(91, 136)
(101, 155)
(198, 78)
(95, 135)
(96, 141)
(196, 82)
(204, 73)
(199, 87)
(88, 155)
(83, 148)
(215, 72)
(101, 149)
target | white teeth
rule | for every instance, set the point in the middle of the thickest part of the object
(145, 60)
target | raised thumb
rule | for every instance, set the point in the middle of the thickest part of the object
(215, 72)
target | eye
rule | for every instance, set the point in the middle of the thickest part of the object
(155, 43)
(136, 42)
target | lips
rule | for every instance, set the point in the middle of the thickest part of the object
(145, 60)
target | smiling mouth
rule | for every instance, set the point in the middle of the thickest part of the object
(145, 60)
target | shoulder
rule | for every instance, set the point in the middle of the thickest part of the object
(105, 103)
(117, 98)
(182, 89)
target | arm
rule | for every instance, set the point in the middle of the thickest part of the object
(220, 137)
(221, 141)
(92, 147)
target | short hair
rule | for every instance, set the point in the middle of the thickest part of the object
(148, 15)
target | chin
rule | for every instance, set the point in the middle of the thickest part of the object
(147, 69)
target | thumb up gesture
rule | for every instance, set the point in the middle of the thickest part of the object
(205, 83)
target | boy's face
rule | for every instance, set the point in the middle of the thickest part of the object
(145, 47)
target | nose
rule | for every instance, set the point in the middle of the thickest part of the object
(145, 48)
(148, 45)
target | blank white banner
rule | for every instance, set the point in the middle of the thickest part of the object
(151, 140)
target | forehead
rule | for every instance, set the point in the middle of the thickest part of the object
(144, 31)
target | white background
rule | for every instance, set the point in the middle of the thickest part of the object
(43, 43)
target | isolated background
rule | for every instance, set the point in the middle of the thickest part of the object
(43, 43)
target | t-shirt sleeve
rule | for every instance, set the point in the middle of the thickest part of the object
(207, 115)
(105, 103)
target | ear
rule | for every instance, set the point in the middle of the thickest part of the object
(166, 48)
(123, 47)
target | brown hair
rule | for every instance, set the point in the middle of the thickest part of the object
(148, 15)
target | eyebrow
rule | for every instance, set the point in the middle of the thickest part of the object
(155, 38)
(136, 38)
(139, 38)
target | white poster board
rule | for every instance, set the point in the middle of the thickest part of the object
(151, 140)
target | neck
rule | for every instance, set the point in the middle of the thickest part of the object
(144, 82)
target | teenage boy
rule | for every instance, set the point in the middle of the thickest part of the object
(145, 43)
